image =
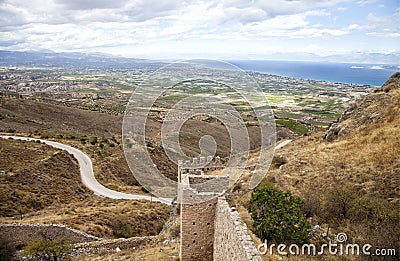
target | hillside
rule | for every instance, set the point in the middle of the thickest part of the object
(361, 149)
(29, 115)
(42, 184)
(47, 177)
(348, 175)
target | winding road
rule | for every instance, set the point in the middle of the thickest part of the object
(87, 174)
(282, 144)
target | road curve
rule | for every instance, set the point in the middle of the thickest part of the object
(87, 174)
(282, 144)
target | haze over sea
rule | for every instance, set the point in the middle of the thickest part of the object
(368, 74)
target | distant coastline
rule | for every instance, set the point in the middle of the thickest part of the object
(352, 73)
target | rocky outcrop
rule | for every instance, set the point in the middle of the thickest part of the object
(371, 108)
(336, 129)
(392, 83)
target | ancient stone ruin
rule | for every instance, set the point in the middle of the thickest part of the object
(210, 229)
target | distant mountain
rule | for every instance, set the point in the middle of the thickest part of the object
(368, 58)
(356, 57)
(70, 59)
(49, 58)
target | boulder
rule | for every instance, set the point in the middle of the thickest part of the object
(336, 129)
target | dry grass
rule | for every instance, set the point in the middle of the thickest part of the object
(45, 187)
(40, 176)
(28, 115)
(164, 246)
(367, 157)
(104, 217)
(351, 183)
(70, 125)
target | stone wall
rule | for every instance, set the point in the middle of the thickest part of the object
(109, 246)
(232, 240)
(23, 234)
(210, 230)
(197, 230)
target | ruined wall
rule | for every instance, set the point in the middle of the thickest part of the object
(109, 246)
(232, 240)
(210, 230)
(23, 234)
(198, 197)
(197, 228)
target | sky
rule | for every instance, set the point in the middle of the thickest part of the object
(227, 29)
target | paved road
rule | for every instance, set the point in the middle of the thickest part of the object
(87, 174)
(282, 144)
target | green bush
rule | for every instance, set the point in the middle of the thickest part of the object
(277, 216)
(48, 250)
(83, 140)
(93, 140)
(369, 209)
(122, 228)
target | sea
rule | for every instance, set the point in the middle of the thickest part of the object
(353, 73)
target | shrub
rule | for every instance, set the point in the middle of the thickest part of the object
(312, 204)
(44, 136)
(377, 222)
(93, 140)
(122, 228)
(373, 210)
(47, 250)
(277, 216)
(338, 202)
(278, 161)
(7, 249)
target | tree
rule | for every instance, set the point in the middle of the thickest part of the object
(277, 216)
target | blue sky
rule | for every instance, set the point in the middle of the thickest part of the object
(228, 29)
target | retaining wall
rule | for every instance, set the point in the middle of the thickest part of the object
(23, 234)
(232, 240)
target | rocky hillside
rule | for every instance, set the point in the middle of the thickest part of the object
(349, 175)
(361, 149)
(371, 109)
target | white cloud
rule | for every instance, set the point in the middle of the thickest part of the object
(188, 25)
(90, 4)
(354, 26)
(283, 7)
